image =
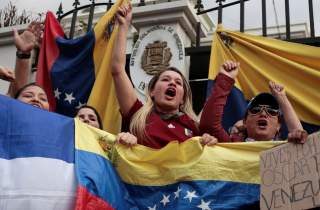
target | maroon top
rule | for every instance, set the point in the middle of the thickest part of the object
(211, 117)
(161, 131)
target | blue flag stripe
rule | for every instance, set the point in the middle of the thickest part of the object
(27, 131)
(98, 176)
(189, 195)
(73, 73)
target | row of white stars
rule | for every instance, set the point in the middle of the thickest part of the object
(190, 195)
(68, 97)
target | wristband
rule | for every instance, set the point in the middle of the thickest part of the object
(23, 55)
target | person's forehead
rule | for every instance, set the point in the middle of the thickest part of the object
(87, 111)
(263, 105)
(171, 74)
(34, 89)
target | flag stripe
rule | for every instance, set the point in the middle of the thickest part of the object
(25, 132)
(103, 178)
(48, 54)
(87, 201)
(223, 195)
(190, 161)
(37, 183)
(73, 72)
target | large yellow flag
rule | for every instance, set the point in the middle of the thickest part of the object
(103, 96)
(262, 59)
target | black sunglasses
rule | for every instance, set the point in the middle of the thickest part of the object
(258, 109)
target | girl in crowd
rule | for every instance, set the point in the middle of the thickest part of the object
(263, 116)
(89, 115)
(167, 114)
(34, 95)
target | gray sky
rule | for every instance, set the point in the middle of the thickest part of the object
(299, 13)
(231, 20)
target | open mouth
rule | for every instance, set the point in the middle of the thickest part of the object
(36, 105)
(170, 92)
(262, 123)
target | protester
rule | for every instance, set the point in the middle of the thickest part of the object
(25, 43)
(238, 129)
(89, 115)
(263, 116)
(167, 114)
(34, 95)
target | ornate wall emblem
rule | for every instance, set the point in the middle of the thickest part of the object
(156, 57)
(157, 48)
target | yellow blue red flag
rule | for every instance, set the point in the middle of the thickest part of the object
(77, 71)
(49, 161)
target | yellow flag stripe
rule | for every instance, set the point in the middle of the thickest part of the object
(87, 137)
(235, 162)
(103, 96)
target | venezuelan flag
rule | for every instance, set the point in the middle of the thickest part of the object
(190, 176)
(49, 161)
(296, 66)
(75, 72)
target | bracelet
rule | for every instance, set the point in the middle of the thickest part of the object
(23, 55)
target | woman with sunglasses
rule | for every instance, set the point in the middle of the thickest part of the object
(263, 116)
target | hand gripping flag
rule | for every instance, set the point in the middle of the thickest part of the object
(49, 161)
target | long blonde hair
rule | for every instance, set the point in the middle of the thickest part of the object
(139, 119)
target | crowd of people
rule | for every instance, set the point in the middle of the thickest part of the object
(167, 114)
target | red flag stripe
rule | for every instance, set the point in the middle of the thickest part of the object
(87, 201)
(49, 52)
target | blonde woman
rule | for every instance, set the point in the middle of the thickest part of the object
(167, 114)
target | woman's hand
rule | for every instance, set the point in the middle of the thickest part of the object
(26, 41)
(7, 74)
(209, 140)
(127, 139)
(277, 90)
(230, 68)
(124, 14)
(298, 136)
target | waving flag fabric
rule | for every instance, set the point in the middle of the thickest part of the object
(75, 72)
(36, 158)
(296, 66)
(99, 184)
(53, 162)
(189, 176)
(48, 161)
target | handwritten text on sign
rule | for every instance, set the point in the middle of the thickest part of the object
(290, 176)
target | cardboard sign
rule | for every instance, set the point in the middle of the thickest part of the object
(290, 176)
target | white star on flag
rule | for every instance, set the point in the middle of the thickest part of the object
(204, 205)
(69, 97)
(80, 105)
(176, 193)
(153, 208)
(165, 199)
(57, 93)
(191, 195)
